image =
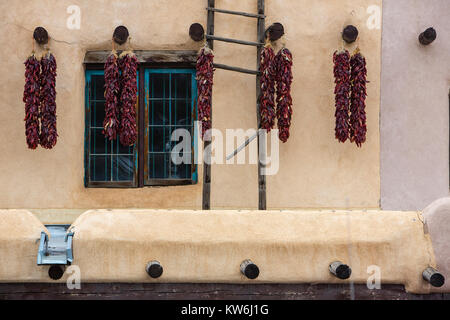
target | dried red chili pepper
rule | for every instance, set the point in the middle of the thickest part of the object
(128, 65)
(31, 98)
(358, 127)
(112, 91)
(267, 83)
(205, 74)
(49, 135)
(283, 62)
(342, 93)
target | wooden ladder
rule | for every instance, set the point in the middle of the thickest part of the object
(210, 37)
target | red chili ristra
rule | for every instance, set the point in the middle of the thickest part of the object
(267, 83)
(358, 126)
(49, 135)
(128, 65)
(112, 91)
(342, 93)
(31, 98)
(283, 61)
(205, 74)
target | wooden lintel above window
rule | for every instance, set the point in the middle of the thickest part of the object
(147, 56)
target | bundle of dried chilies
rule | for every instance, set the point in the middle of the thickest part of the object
(267, 83)
(358, 80)
(128, 65)
(205, 73)
(342, 93)
(31, 98)
(48, 136)
(283, 66)
(112, 90)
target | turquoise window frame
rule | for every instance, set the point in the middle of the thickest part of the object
(194, 134)
(88, 182)
(140, 173)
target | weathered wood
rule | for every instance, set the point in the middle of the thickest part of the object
(239, 13)
(247, 43)
(40, 35)
(196, 32)
(428, 36)
(350, 34)
(147, 56)
(141, 128)
(206, 194)
(237, 69)
(262, 205)
(120, 35)
(206, 291)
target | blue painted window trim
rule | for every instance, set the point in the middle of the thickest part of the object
(147, 71)
(192, 72)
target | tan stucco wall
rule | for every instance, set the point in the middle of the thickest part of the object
(315, 170)
(196, 246)
(414, 105)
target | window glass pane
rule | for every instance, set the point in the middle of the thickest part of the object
(98, 87)
(159, 139)
(158, 166)
(181, 112)
(159, 85)
(123, 167)
(118, 148)
(181, 85)
(159, 113)
(109, 161)
(99, 144)
(97, 114)
(99, 168)
(170, 107)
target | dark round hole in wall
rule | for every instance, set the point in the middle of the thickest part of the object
(154, 269)
(343, 271)
(275, 31)
(55, 272)
(437, 280)
(40, 35)
(428, 36)
(121, 35)
(350, 34)
(251, 271)
(196, 32)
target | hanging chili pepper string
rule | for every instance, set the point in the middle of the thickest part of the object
(112, 91)
(205, 75)
(31, 98)
(342, 93)
(358, 128)
(128, 65)
(267, 83)
(283, 62)
(48, 136)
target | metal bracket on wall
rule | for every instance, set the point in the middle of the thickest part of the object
(56, 249)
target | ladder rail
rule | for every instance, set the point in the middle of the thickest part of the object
(243, 42)
(239, 13)
(261, 137)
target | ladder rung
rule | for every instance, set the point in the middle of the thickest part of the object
(242, 70)
(248, 43)
(238, 13)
